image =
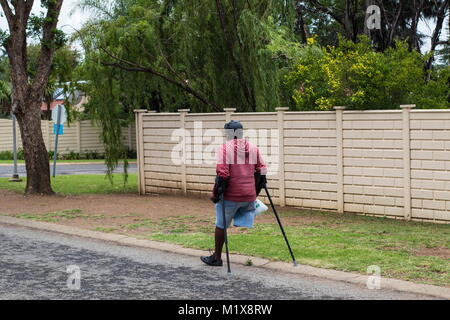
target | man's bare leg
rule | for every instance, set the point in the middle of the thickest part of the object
(220, 239)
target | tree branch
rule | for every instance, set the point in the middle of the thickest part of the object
(300, 23)
(169, 65)
(413, 43)
(47, 45)
(8, 13)
(139, 68)
(441, 43)
(28, 7)
(394, 25)
(249, 96)
(323, 9)
(437, 32)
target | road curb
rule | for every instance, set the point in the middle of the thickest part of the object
(386, 283)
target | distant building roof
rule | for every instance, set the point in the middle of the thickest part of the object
(59, 96)
(53, 104)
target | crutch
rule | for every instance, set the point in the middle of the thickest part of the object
(279, 223)
(225, 230)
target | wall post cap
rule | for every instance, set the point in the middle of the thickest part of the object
(339, 107)
(184, 110)
(282, 109)
(229, 109)
(140, 110)
(407, 106)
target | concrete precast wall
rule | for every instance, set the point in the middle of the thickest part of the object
(80, 136)
(393, 163)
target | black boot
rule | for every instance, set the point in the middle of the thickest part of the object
(211, 260)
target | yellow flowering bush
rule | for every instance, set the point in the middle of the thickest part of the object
(356, 76)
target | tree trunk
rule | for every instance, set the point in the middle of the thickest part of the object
(35, 152)
(300, 23)
(417, 8)
(350, 24)
(441, 14)
(27, 97)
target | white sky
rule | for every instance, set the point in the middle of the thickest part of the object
(427, 28)
(71, 18)
(66, 21)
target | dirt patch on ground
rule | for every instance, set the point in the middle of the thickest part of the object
(109, 212)
(433, 252)
(130, 213)
(153, 206)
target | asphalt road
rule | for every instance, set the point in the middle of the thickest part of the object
(34, 265)
(65, 169)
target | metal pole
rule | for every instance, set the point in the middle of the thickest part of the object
(225, 231)
(15, 176)
(281, 227)
(58, 121)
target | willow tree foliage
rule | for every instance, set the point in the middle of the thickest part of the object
(5, 99)
(166, 55)
(5, 88)
(253, 55)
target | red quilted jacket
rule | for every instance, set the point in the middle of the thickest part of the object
(237, 162)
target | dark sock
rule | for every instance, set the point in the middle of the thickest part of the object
(220, 239)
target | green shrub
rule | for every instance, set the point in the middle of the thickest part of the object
(20, 154)
(356, 76)
(93, 155)
(72, 156)
(6, 155)
(51, 154)
(131, 154)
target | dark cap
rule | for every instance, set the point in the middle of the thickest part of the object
(235, 125)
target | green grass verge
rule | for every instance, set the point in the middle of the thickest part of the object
(342, 242)
(82, 184)
(56, 216)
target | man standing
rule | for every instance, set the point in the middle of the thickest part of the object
(237, 163)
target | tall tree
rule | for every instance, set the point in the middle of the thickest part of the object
(27, 94)
(300, 25)
(62, 72)
(344, 12)
(211, 52)
(441, 14)
(399, 20)
(167, 54)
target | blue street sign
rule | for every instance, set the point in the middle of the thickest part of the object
(61, 129)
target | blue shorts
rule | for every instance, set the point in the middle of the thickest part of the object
(243, 214)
